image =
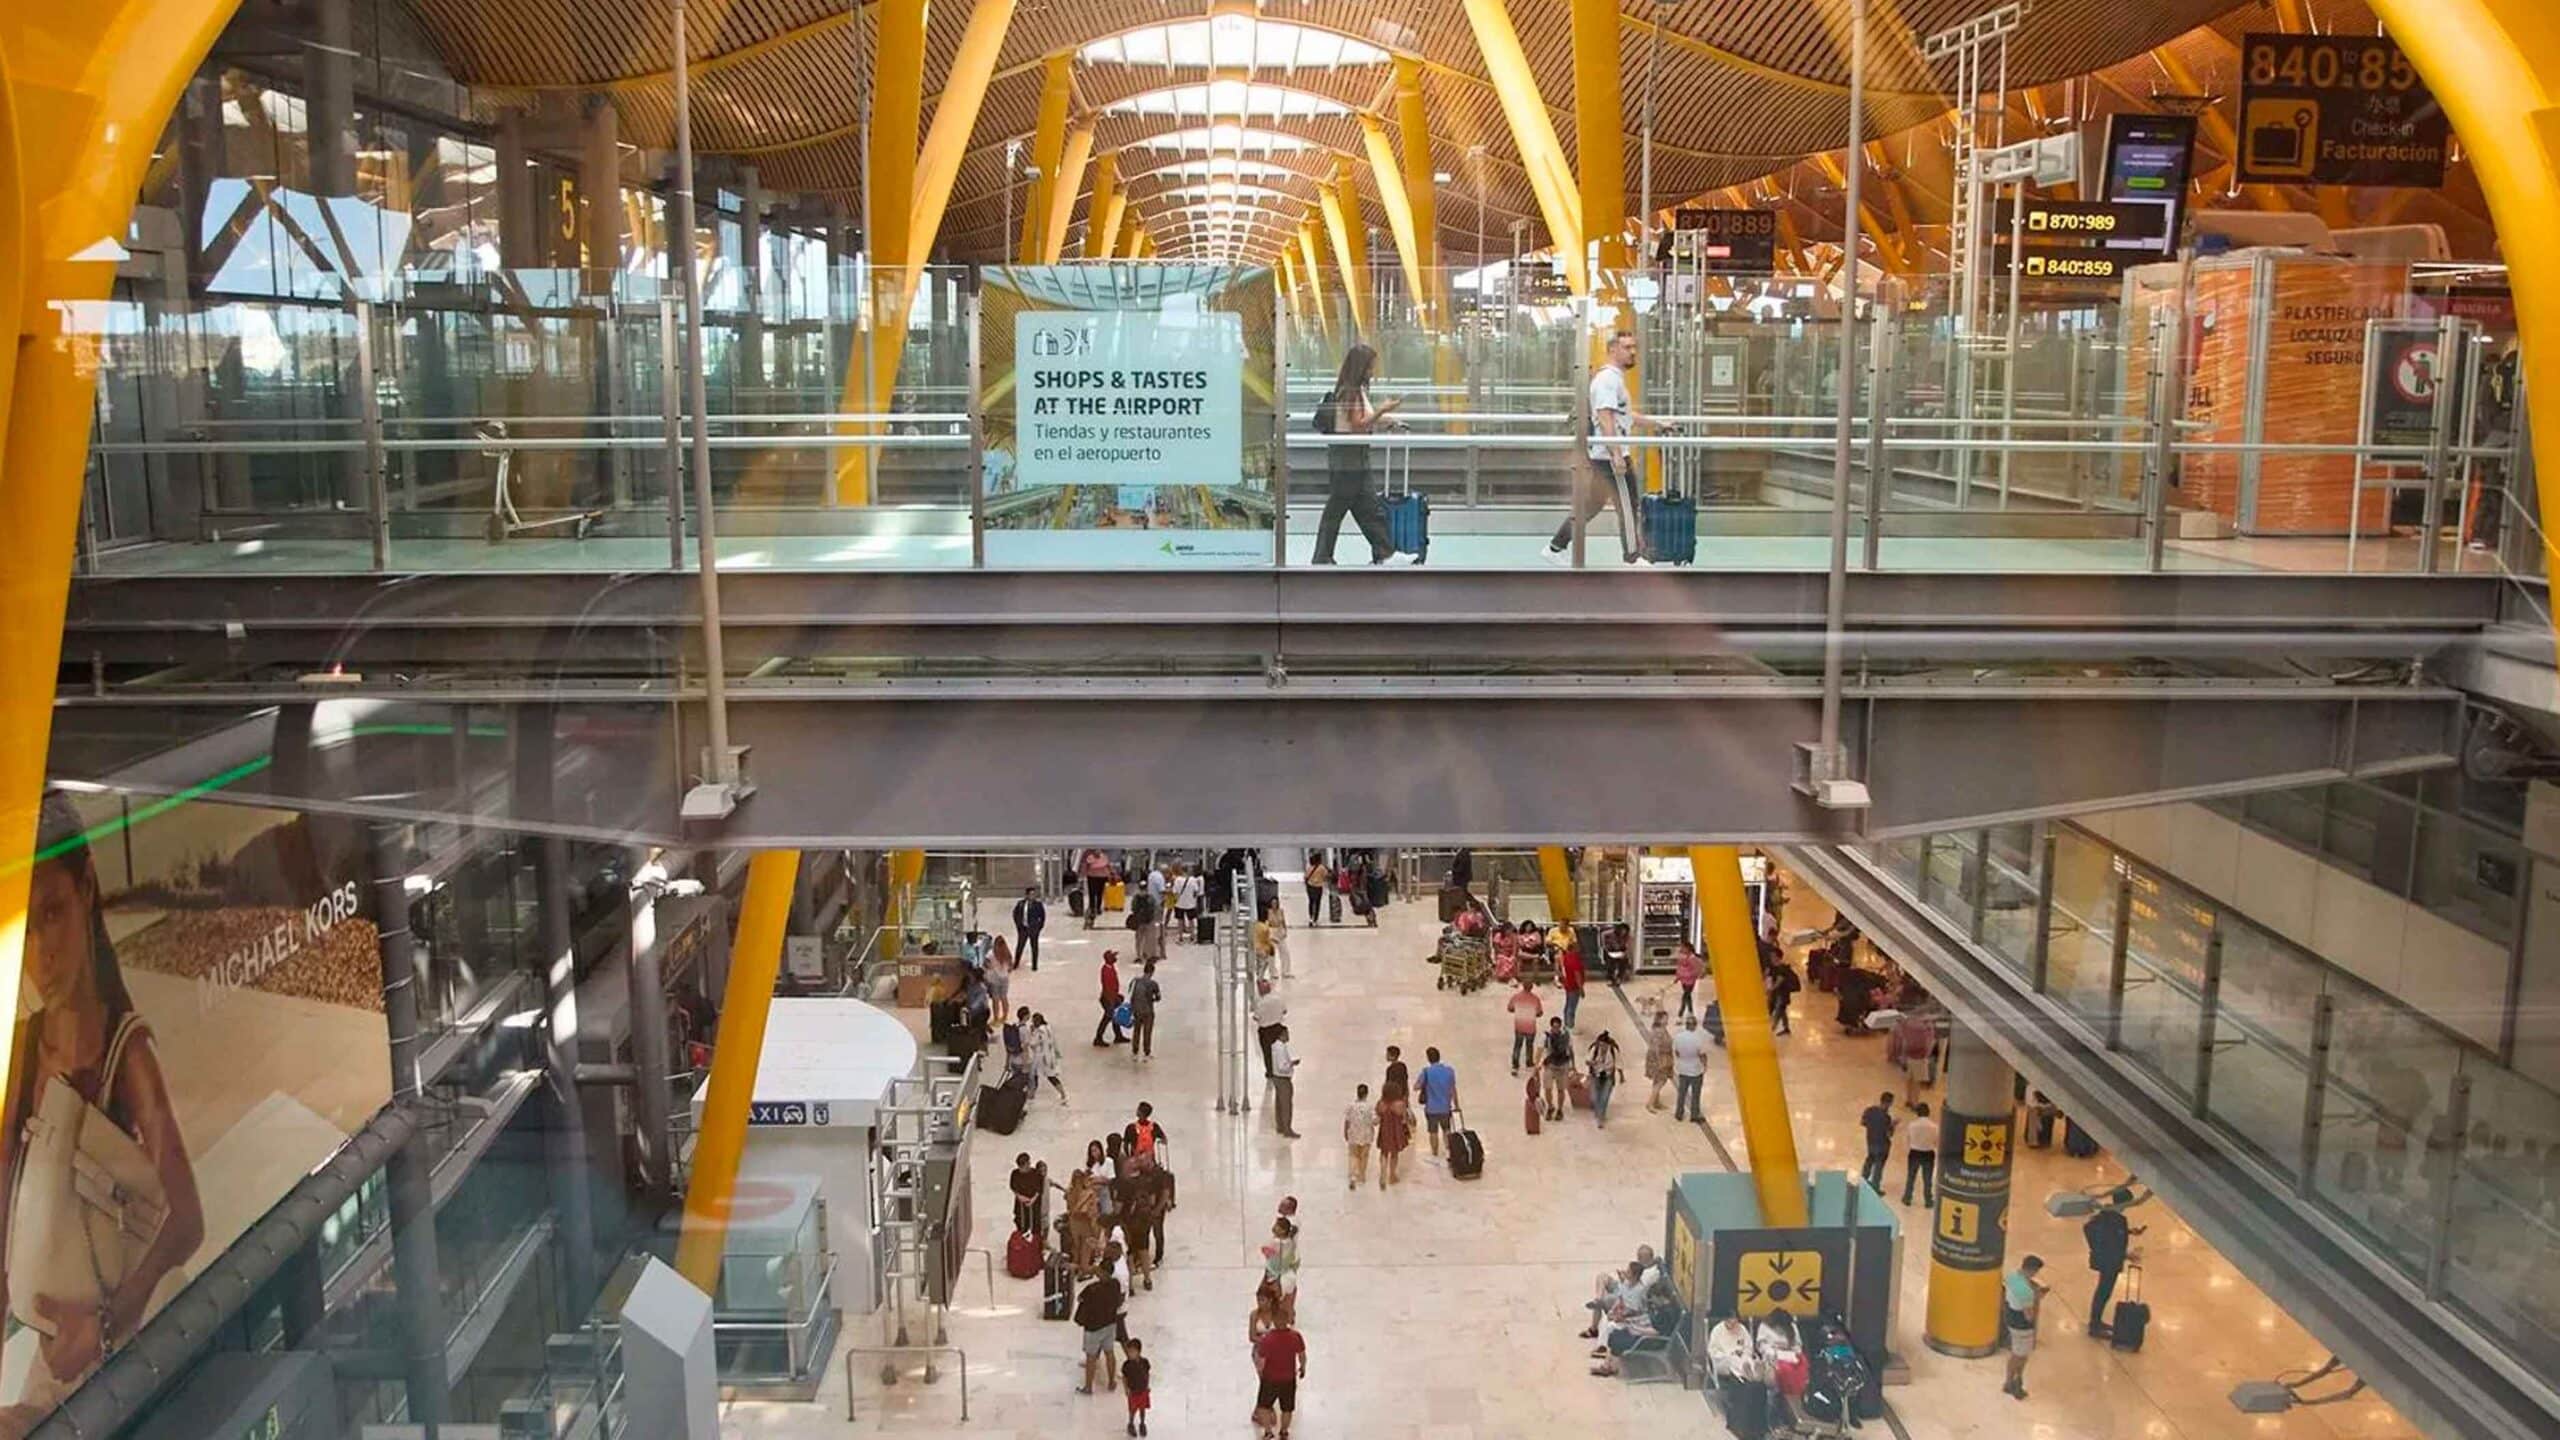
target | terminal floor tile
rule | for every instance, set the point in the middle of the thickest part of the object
(1443, 1310)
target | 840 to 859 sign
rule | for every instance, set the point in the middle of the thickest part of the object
(2337, 110)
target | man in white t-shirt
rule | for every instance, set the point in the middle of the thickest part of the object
(1609, 476)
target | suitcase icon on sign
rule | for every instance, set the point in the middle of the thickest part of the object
(2283, 136)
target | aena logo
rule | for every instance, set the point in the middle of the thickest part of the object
(1061, 343)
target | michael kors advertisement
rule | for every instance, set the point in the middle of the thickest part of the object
(199, 1024)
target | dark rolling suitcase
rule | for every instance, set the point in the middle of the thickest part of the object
(1378, 889)
(1057, 1287)
(1204, 931)
(1000, 1108)
(1671, 529)
(2077, 1143)
(1466, 1151)
(1408, 512)
(2133, 1316)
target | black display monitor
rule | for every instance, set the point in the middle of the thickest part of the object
(2151, 160)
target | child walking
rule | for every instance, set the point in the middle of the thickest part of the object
(1135, 1374)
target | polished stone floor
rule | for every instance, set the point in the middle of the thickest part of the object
(1447, 1310)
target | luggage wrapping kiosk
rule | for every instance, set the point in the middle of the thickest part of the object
(1848, 1262)
(807, 1182)
(1667, 906)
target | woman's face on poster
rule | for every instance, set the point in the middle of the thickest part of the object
(58, 934)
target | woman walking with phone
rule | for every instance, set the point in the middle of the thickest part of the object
(1347, 411)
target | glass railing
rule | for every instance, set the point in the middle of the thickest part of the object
(2439, 1152)
(533, 419)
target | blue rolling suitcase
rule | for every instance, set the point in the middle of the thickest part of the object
(1408, 512)
(1671, 529)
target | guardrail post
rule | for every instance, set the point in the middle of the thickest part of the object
(1279, 430)
(377, 477)
(2449, 348)
(1977, 885)
(2116, 948)
(2208, 1008)
(673, 428)
(2040, 957)
(2170, 356)
(2448, 1172)
(2315, 1095)
(977, 463)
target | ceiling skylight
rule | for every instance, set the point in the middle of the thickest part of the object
(1249, 101)
(1225, 139)
(1230, 41)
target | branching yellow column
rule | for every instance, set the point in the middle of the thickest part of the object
(1341, 200)
(1541, 154)
(897, 275)
(1126, 247)
(1048, 147)
(755, 960)
(84, 92)
(1733, 955)
(1421, 192)
(1062, 195)
(2495, 66)
(1555, 876)
(1389, 175)
(897, 118)
(1599, 130)
(1289, 285)
(1308, 249)
(1102, 217)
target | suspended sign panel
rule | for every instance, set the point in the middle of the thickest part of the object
(1122, 398)
(2337, 110)
(1727, 242)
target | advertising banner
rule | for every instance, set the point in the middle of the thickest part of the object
(199, 1025)
(2337, 110)
(1124, 397)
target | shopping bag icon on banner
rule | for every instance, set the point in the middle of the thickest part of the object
(2283, 136)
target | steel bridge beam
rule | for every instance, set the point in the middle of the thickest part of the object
(944, 764)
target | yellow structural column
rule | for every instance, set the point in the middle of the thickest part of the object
(1340, 199)
(1541, 154)
(1599, 136)
(897, 119)
(1048, 148)
(755, 960)
(1733, 957)
(1555, 876)
(1126, 247)
(1062, 194)
(1421, 191)
(896, 276)
(1388, 174)
(1288, 272)
(1308, 251)
(84, 93)
(1102, 217)
(2495, 67)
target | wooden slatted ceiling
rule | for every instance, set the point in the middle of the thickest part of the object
(1743, 86)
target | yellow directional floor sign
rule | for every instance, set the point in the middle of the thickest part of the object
(1767, 1280)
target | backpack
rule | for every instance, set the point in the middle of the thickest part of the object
(1328, 420)
(1145, 1131)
